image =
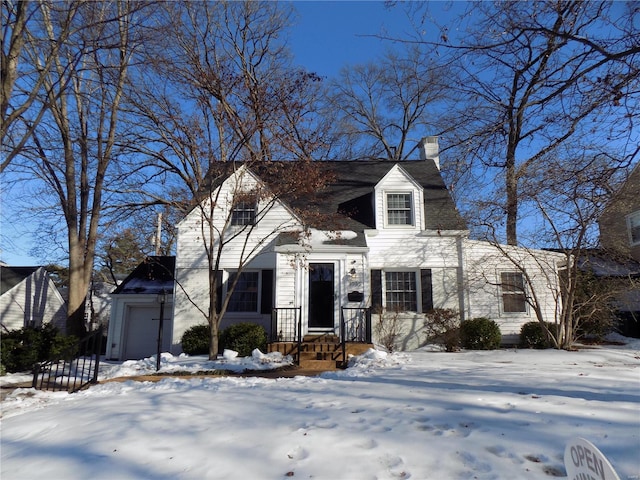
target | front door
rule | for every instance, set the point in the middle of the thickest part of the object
(321, 295)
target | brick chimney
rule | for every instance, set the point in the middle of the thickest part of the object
(429, 150)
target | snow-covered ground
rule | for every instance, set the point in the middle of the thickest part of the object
(504, 414)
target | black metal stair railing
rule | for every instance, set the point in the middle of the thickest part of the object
(286, 326)
(74, 369)
(355, 324)
(355, 327)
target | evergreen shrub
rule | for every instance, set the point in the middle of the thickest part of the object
(480, 334)
(243, 338)
(195, 340)
(22, 349)
(532, 335)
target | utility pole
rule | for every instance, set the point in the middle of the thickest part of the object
(158, 240)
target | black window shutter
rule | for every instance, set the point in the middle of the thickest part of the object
(376, 288)
(218, 290)
(427, 290)
(266, 300)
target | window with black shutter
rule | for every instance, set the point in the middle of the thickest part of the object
(376, 288)
(426, 284)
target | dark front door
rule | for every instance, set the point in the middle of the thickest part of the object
(321, 292)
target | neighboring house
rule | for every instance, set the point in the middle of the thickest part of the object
(28, 297)
(620, 220)
(138, 305)
(399, 245)
(620, 239)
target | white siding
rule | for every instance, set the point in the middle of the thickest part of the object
(398, 181)
(34, 301)
(404, 249)
(392, 249)
(410, 331)
(484, 264)
(253, 246)
(191, 302)
(193, 230)
(286, 294)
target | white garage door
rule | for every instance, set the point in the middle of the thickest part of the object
(142, 332)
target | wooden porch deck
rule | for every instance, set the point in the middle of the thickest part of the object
(319, 352)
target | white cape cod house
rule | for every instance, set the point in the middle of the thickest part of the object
(401, 246)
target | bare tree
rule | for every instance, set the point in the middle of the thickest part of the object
(532, 77)
(72, 146)
(385, 107)
(221, 97)
(25, 69)
(577, 188)
(569, 192)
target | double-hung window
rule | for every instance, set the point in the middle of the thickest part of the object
(244, 212)
(513, 292)
(401, 291)
(633, 225)
(400, 209)
(245, 296)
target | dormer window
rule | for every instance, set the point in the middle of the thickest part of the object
(399, 209)
(244, 212)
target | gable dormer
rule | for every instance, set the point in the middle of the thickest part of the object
(399, 201)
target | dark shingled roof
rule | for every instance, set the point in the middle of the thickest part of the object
(12, 276)
(151, 276)
(352, 190)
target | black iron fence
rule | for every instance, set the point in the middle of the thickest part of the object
(73, 370)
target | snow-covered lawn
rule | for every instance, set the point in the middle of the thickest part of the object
(423, 415)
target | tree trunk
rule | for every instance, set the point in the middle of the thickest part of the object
(213, 314)
(512, 200)
(213, 337)
(78, 287)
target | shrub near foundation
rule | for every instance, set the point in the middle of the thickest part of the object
(195, 340)
(480, 334)
(243, 338)
(532, 335)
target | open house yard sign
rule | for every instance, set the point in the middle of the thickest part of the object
(584, 461)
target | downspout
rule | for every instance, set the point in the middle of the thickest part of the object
(463, 292)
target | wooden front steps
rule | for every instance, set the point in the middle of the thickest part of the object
(319, 352)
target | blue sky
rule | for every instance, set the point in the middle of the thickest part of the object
(328, 35)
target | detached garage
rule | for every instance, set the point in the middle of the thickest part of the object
(140, 304)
